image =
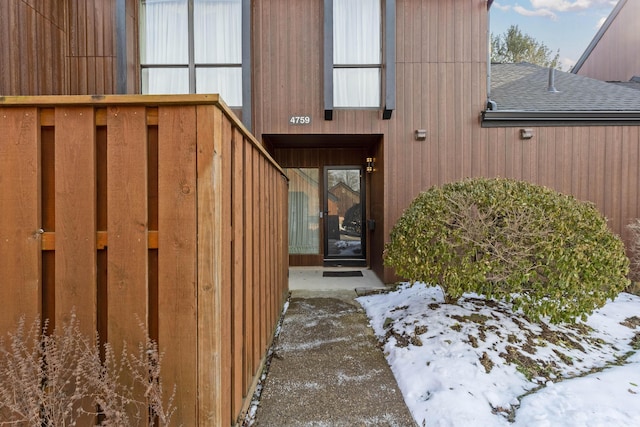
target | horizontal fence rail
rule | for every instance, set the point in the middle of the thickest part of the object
(155, 210)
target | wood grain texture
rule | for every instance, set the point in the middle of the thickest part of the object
(210, 279)
(177, 254)
(75, 217)
(237, 293)
(127, 256)
(20, 225)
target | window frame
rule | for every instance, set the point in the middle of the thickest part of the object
(192, 66)
(387, 66)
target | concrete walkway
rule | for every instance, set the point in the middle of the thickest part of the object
(327, 369)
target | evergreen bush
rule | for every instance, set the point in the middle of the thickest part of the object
(547, 253)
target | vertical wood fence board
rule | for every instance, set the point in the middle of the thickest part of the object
(20, 260)
(127, 224)
(177, 255)
(273, 229)
(227, 260)
(249, 261)
(238, 272)
(211, 410)
(264, 317)
(264, 231)
(255, 231)
(75, 217)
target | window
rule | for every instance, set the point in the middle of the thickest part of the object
(192, 46)
(357, 53)
(304, 195)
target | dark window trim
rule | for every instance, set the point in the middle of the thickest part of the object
(388, 60)
(246, 65)
(121, 47)
(328, 59)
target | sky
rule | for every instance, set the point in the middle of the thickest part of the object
(450, 362)
(567, 25)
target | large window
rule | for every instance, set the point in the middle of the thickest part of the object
(192, 46)
(357, 53)
(304, 196)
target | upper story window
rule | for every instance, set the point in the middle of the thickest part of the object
(192, 46)
(357, 53)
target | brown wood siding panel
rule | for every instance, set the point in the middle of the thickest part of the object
(75, 217)
(91, 39)
(20, 262)
(177, 253)
(615, 57)
(32, 49)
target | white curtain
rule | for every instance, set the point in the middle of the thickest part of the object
(356, 41)
(217, 31)
(165, 35)
(164, 40)
(217, 40)
(226, 81)
(304, 229)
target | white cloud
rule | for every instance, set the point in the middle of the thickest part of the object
(561, 5)
(500, 6)
(537, 12)
(600, 22)
(566, 63)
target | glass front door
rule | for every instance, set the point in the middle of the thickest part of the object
(344, 214)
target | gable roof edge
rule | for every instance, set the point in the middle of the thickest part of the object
(596, 39)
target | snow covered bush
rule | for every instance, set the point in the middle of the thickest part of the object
(547, 253)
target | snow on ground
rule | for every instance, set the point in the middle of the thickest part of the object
(477, 363)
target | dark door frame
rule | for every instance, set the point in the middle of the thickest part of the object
(333, 260)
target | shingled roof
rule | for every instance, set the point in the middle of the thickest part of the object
(524, 87)
(520, 94)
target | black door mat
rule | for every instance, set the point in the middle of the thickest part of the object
(355, 273)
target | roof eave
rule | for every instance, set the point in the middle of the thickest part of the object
(512, 118)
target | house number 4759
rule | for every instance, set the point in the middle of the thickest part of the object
(300, 120)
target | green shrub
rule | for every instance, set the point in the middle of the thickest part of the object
(547, 253)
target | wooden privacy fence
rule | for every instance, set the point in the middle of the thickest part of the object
(160, 210)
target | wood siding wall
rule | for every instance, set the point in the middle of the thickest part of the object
(615, 57)
(441, 73)
(160, 210)
(441, 87)
(63, 47)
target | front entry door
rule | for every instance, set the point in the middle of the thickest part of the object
(344, 215)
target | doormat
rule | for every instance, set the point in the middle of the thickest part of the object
(355, 273)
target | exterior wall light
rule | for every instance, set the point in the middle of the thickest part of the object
(526, 133)
(370, 164)
(421, 134)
